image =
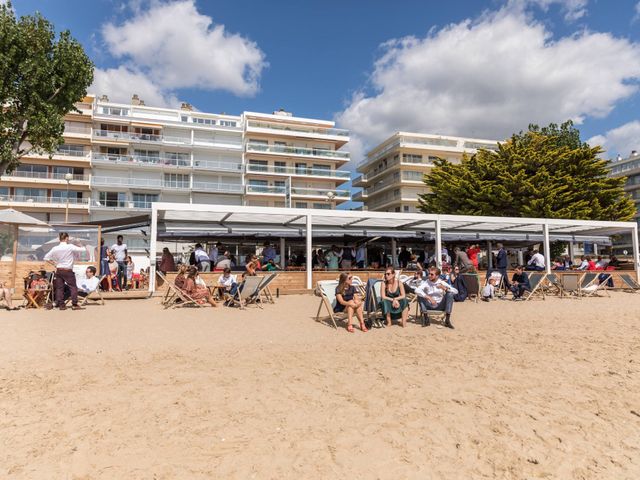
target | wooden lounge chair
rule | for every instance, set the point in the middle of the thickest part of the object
(264, 290)
(248, 292)
(175, 297)
(30, 301)
(536, 282)
(372, 304)
(591, 284)
(326, 290)
(95, 293)
(472, 281)
(630, 284)
(553, 284)
(571, 284)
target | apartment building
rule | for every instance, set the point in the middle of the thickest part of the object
(392, 173)
(117, 159)
(630, 168)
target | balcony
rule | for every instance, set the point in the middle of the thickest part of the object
(216, 187)
(44, 202)
(139, 160)
(298, 191)
(300, 172)
(217, 143)
(76, 131)
(146, 183)
(336, 134)
(127, 136)
(119, 205)
(45, 177)
(297, 151)
(216, 166)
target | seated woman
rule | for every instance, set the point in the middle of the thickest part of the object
(5, 294)
(457, 282)
(557, 264)
(252, 266)
(38, 286)
(198, 293)
(394, 302)
(181, 277)
(112, 277)
(347, 300)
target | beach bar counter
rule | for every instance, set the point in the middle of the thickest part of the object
(196, 223)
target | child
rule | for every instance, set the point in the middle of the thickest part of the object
(489, 290)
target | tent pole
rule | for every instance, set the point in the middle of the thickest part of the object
(15, 256)
(283, 256)
(309, 234)
(636, 252)
(152, 248)
(438, 244)
(547, 247)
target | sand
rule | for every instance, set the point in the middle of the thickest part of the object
(544, 389)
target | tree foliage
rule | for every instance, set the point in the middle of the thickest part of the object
(40, 79)
(543, 172)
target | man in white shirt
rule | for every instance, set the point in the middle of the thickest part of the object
(436, 294)
(536, 262)
(119, 251)
(90, 283)
(202, 259)
(63, 256)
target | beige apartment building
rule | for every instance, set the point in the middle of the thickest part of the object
(392, 173)
(117, 159)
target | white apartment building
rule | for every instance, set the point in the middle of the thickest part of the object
(392, 173)
(118, 159)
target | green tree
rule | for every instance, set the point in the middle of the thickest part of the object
(543, 172)
(40, 79)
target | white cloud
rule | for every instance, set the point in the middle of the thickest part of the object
(573, 9)
(621, 140)
(119, 84)
(491, 77)
(636, 17)
(170, 45)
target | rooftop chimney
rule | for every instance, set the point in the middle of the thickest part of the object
(283, 113)
(618, 158)
(104, 98)
(135, 99)
(634, 153)
(141, 103)
(186, 106)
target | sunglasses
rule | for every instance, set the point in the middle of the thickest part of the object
(388, 273)
(349, 278)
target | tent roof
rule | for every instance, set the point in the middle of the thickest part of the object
(14, 217)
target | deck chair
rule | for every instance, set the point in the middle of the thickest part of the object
(536, 282)
(472, 281)
(326, 290)
(31, 301)
(174, 297)
(96, 295)
(571, 284)
(372, 304)
(554, 284)
(264, 290)
(247, 293)
(629, 283)
(591, 284)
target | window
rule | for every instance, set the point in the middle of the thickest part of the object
(397, 209)
(26, 194)
(258, 165)
(301, 205)
(184, 118)
(71, 150)
(412, 175)
(204, 121)
(396, 193)
(144, 200)
(282, 144)
(279, 183)
(405, 208)
(64, 170)
(227, 123)
(121, 112)
(301, 168)
(281, 167)
(4, 192)
(258, 186)
(322, 206)
(433, 158)
(258, 142)
(60, 196)
(113, 199)
(35, 171)
(321, 170)
(177, 158)
(146, 156)
(176, 180)
(411, 158)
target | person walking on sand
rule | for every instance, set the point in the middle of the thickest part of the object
(63, 257)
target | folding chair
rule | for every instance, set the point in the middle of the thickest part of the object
(372, 303)
(326, 290)
(630, 283)
(95, 293)
(591, 284)
(31, 300)
(472, 281)
(537, 286)
(264, 289)
(553, 284)
(571, 284)
(174, 294)
(359, 284)
(248, 292)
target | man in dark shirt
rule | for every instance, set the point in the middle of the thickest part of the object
(502, 262)
(519, 283)
(404, 257)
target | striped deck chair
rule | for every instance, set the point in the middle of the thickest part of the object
(591, 284)
(264, 290)
(630, 283)
(248, 292)
(175, 297)
(571, 284)
(536, 282)
(554, 284)
(326, 290)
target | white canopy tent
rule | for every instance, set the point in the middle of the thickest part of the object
(179, 220)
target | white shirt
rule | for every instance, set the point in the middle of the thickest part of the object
(213, 254)
(89, 285)
(223, 262)
(119, 252)
(537, 260)
(201, 255)
(584, 265)
(430, 289)
(226, 281)
(488, 291)
(63, 255)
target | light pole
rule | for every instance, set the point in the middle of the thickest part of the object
(330, 197)
(68, 177)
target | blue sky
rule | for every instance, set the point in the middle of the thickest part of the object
(469, 68)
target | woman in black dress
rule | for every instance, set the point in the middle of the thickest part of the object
(348, 300)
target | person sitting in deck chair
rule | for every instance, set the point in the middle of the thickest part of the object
(113, 280)
(198, 293)
(38, 286)
(181, 277)
(5, 294)
(348, 300)
(519, 283)
(537, 262)
(89, 284)
(436, 294)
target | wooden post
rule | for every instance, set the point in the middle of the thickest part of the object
(15, 256)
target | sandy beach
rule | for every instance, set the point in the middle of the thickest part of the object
(544, 389)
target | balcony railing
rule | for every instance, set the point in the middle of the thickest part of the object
(266, 189)
(172, 139)
(297, 151)
(217, 166)
(313, 172)
(140, 160)
(127, 182)
(217, 187)
(113, 204)
(291, 128)
(47, 200)
(77, 130)
(129, 136)
(297, 191)
(47, 176)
